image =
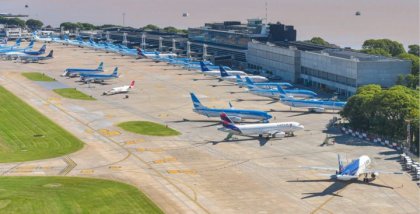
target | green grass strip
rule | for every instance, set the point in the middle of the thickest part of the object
(35, 76)
(73, 93)
(148, 128)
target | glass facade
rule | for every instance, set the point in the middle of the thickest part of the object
(224, 38)
(328, 76)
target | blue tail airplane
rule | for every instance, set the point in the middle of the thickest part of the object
(236, 115)
(72, 72)
(92, 78)
(313, 105)
(262, 85)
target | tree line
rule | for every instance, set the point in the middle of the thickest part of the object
(385, 111)
(30, 23)
(87, 26)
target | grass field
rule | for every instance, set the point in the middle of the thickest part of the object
(25, 134)
(148, 128)
(35, 76)
(71, 195)
(73, 93)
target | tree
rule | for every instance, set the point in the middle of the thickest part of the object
(414, 49)
(151, 27)
(69, 26)
(34, 24)
(400, 80)
(377, 51)
(86, 26)
(12, 21)
(392, 47)
(414, 62)
(319, 41)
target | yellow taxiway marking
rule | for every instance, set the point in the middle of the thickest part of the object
(54, 99)
(109, 133)
(131, 142)
(149, 150)
(181, 171)
(165, 160)
(89, 131)
(114, 167)
(86, 171)
(24, 169)
(163, 115)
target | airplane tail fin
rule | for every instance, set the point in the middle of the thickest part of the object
(280, 89)
(203, 67)
(18, 42)
(115, 73)
(223, 72)
(51, 53)
(340, 164)
(43, 48)
(249, 81)
(196, 101)
(31, 44)
(132, 84)
(239, 79)
(228, 123)
(101, 66)
(140, 52)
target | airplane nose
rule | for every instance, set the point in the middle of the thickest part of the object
(301, 127)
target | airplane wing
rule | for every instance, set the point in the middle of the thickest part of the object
(321, 168)
(368, 171)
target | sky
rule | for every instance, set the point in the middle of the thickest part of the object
(333, 20)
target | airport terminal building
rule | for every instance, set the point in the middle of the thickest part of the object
(335, 70)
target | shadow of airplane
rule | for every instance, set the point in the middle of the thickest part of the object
(218, 85)
(335, 187)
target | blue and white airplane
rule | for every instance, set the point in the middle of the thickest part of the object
(235, 114)
(358, 167)
(4, 43)
(262, 85)
(73, 72)
(313, 105)
(206, 71)
(98, 78)
(232, 78)
(15, 54)
(275, 93)
(31, 58)
(15, 48)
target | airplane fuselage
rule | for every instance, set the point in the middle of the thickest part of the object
(234, 114)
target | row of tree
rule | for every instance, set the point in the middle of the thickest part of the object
(384, 112)
(30, 23)
(87, 26)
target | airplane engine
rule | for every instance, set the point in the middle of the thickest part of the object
(374, 175)
(317, 110)
(279, 135)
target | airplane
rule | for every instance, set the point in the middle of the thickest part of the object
(206, 71)
(31, 58)
(275, 94)
(225, 76)
(266, 130)
(235, 114)
(73, 72)
(15, 49)
(262, 85)
(92, 78)
(313, 105)
(42, 39)
(155, 54)
(348, 174)
(120, 90)
(15, 54)
(5, 46)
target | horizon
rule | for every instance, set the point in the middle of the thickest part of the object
(397, 21)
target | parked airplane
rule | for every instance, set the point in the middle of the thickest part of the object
(42, 39)
(225, 76)
(120, 90)
(266, 130)
(73, 72)
(262, 85)
(16, 49)
(313, 105)
(275, 93)
(207, 71)
(235, 114)
(358, 167)
(15, 54)
(31, 58)
(98, 78)
(5, 46)
(155, 54)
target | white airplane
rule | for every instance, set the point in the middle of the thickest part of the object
(120, 90)
(352, 171)
(231, 78)
(266, 130)
(206, 71)
(41, 39)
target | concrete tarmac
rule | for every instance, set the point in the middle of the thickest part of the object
(198, 172)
